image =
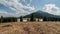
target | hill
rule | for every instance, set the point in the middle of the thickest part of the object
(42, 14)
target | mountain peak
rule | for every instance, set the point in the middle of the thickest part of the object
(41, 14)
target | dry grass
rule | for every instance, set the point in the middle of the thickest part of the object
(30, 28)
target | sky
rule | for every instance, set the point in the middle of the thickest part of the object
(25, 7)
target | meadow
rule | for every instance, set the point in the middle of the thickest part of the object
(30, 28)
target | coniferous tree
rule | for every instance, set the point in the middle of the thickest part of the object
(32, 17)
(27, 19)
(1, 19)
(38, 19)
(21, 18)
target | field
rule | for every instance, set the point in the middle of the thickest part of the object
(30, 28)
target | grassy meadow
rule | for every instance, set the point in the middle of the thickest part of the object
(30, 28)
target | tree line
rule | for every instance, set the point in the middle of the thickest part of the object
(14, 19)
(51, 19)
(8, 19)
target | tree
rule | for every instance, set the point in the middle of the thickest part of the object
(1, 19)
(38, 19)
(21, 18)
(32, 17)
(27, 19)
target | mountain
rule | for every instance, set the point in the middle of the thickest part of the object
(41, 14)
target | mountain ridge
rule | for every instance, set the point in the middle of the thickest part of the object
(41, 14)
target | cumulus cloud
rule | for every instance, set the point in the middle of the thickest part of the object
(52, 9)
(18, 7)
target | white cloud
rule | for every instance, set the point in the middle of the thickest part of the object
(52, 9)
(3, 11)
(5, 14)
(27, 2)
(17, 6)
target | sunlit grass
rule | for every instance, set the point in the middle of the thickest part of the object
(30, 28)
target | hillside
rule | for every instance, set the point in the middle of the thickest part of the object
(42, 14)
(30, 28)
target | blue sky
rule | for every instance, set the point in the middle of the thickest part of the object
(7, 9)
(24, 7)
(40, 3)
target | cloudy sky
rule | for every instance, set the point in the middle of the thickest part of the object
(24, 7)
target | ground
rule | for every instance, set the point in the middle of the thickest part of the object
(30, 28)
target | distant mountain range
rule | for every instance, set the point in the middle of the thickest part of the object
(41, 14)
